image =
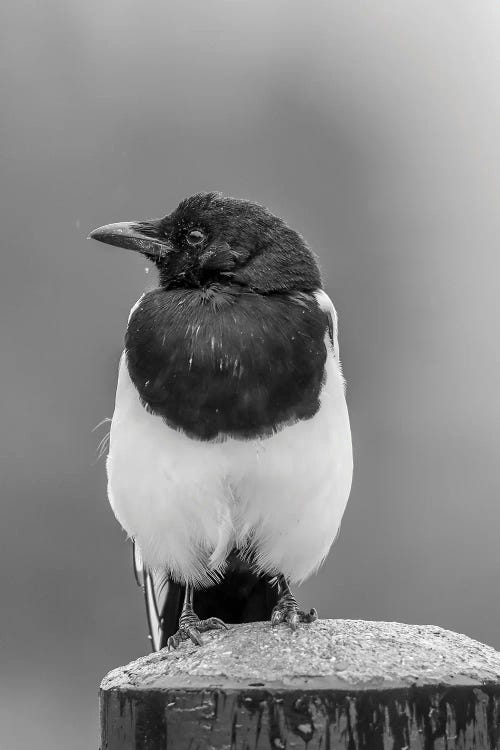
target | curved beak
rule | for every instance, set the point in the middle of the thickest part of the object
(143, 237)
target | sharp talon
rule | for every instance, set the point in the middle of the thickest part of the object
(293, 620)
(213, 623)
(277, 617)
(194, 634)
(172, 643)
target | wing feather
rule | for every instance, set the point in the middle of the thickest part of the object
(326, 306)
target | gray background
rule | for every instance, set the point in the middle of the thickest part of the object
(374, 129)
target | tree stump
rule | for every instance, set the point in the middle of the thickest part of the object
(345, 684)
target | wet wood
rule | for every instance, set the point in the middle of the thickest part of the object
(335, 684)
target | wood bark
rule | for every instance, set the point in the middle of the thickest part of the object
(345, 684)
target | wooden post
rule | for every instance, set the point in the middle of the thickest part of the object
(334, 684)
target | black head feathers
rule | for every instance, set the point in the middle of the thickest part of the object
(211, 238)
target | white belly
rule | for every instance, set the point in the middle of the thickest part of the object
(187, 502)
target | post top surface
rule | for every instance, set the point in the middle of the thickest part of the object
(334, 654)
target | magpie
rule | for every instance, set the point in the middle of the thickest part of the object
(230, 457)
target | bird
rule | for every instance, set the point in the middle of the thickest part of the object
(230, 455)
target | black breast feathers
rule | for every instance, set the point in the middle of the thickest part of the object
(225, 361)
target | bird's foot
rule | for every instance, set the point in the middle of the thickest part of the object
(191, 627)
(287, 611)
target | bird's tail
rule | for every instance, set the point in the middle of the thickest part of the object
(240, 596)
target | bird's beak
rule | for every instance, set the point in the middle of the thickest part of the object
(134, 235)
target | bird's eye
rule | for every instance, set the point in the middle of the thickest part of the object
(195, 237)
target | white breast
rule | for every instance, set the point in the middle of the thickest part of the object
(188, 502)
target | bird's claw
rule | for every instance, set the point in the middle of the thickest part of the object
(191, 627)
(212, 623)
(287, 611)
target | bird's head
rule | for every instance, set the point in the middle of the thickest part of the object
(210, 238)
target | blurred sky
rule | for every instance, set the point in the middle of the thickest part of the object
(374, 129)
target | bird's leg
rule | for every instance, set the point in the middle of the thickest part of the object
(190, 625)
(287, 610)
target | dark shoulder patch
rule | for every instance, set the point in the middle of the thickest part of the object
(226, 362)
